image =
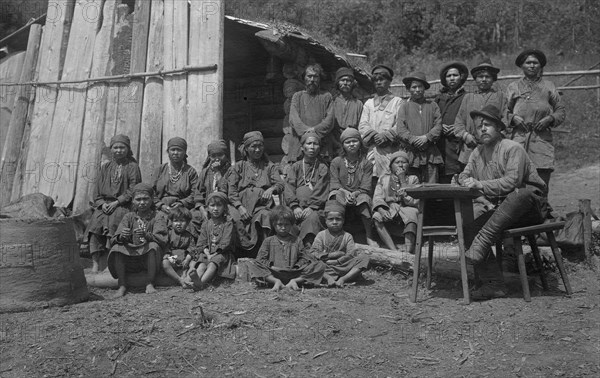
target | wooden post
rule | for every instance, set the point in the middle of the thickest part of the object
(130, 109)
(16, 127)
(10, 72)
(585, 209)
(175, 56)
(151, 129)
(52, 55)
(67, 124)
(92, 140)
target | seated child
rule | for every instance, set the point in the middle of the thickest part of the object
(391, 204)
(181, 242)
(216, 244)
(336, 248)
(351, 175)
(281, 257)
(139, 241)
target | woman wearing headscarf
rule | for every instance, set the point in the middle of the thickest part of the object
(534, 108)
(139, 241)
(307, 188)
(452, 76)
(251, 186)
(485, 75)
(175, 182)
(112, 196)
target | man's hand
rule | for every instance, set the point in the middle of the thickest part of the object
(306, 212)
(379, 139)
(350, 198)
(448, 129)
(518, 121)
(543, 123)
(421, 141)
(244, 213)
(385, 214)
(267, 194)
(470, 141)
(470, 182)
(298, 213)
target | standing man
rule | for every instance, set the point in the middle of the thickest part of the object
(347, 109)
(513, 195)
(378, 121)
(311, 110)
(534, 108)
(485, 75)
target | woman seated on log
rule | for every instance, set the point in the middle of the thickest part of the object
(112, 196)
(175, 182)
(139, 241)
(307, 187)
(351, 180)
(252, 183)
(392, 206)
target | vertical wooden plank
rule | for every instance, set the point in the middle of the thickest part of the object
(119, 64)
(205, 89)
(586, 210)
(67, 124)
(51, 55)
(151, 129)
(131, 104)
(16, 127)
(92, 140)
(175, 56)
(10, 72)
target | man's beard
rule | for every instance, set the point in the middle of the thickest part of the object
(312, 88)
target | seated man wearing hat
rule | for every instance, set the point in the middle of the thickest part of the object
(311, 110)
(514, 195)
(419, 125)
(347, 109)
(534, 108)
(378, 121)
(485, 74)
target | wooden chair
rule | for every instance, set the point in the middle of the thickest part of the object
(530, 233)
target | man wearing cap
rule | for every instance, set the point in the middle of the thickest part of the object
(311, 110)
(378, 121)
(347, 109)
(485, 74)
(513, 195)
(419, 127)
(453, 75)
(534, 108)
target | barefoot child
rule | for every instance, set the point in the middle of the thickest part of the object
(180, 243)
(336, 248)
(351, 179)
(139, 241)
(216, 244)
(281, 257)
(391, 204)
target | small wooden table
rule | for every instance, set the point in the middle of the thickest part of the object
(463, 214)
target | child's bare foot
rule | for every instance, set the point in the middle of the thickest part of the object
(185, 284)
(330, 281)
(340, 283)
(195, 280)
(293, 285)
(150, 289)
(372, 243)
(95, 267)
(278, 286)
(121, 292)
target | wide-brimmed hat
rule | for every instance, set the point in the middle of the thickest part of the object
(381, 67)
(491, 113)
(461, 67)
(523, 56)
(418, 76)
(485, 65)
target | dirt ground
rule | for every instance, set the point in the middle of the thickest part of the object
(369, 329)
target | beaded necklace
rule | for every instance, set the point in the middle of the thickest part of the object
(351, 167)
(255, 169)
(216, 235)
(174, 177)
(308, 181)
(117, 175)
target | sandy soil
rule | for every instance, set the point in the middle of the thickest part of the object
(366, 330)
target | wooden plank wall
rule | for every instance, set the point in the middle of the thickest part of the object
(10, 72)
(71, 124)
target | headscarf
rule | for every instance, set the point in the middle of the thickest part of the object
(399, 154)
(249, 138)
(217, 146)
(217, 194)
(121, 138)
(350, 132)
(309, 134)
(143, 187)
(334, 206)
(177, 142)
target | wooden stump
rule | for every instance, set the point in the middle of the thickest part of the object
(39, 265)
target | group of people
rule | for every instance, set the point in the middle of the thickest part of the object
(347, 161)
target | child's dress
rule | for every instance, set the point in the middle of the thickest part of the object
(404, 208)
(342, 250)
(220, 240)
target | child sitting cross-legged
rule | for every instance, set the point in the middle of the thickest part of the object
(392, 206)
(216, 243)
(336, 248)
(282, 258)
(180, 243)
